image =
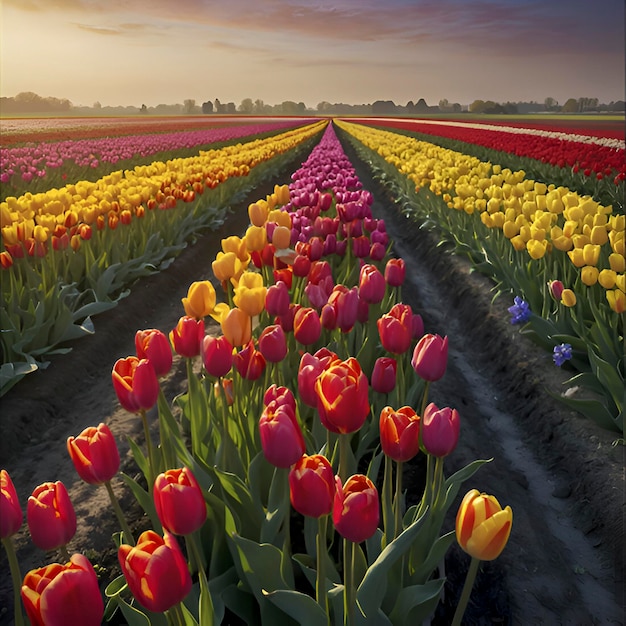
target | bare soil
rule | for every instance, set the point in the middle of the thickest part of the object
(561, 475)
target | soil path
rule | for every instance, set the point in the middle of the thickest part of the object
(559, 473)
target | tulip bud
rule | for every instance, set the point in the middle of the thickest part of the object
(342, 396)
(50, 515)
(430, 357)
(356, 508)
(281, 437)
(135, 383)
(179, 501)
(395, 329)
(277, 299)
(307, 327)
(63, 594)
(10, 511)
(384, 374)
(399, 433)
(556, 289)
(395, 272)
(310, 368)
(568, 298)
(273, 343)
(250, 363)
(279, 395)
(94, 454)
(156, 571)
(237, 327)
(153, 345)
(371, 284)
(312, 486)
(440, 430)
(217, 355)
(200, 300)
(482, 526)
(186, 337)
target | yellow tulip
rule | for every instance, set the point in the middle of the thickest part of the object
(250, 293)
(483, 526)
(568, 298)
(282, 194)
(536, 248)
(227, 266)
(200, 300)
(576, 257)
(616, 300)
(282, 218)
(607, 278)
(570, 228)
(238, 246)
(256, 238)
(518, 243)
(591, 254)
(258, 212)
(510, 229)
(599, 235)
(40, 234)
(620, 281)
(237, 327)
(589, 275)
(617, 262)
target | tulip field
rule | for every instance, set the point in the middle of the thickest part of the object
(305, 443)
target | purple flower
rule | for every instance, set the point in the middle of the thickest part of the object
(520, 311)
(562, 353)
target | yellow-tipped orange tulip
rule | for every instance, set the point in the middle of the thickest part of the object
(617, 300)
(237, 327)
(483, 526)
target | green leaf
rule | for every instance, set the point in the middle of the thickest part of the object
(416, 603)
(372, 589)
(133, 616)
(300, 606)
(145, 501)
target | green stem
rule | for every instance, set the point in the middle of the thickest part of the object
(65, 555)
(387, 503)
(348, 581)
(437, 494)
(344, 446)
(320, 584)
(128, 535)
(196, 556)
(467, 590)
(146, 430)
(16, 577)
(397, 502)
(175, 616)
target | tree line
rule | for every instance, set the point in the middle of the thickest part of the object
(29, 102)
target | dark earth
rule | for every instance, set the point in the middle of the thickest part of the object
(561, 475)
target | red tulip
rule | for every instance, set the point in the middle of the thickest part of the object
(346, 304)
(250, 363)
(135, 383)
(59, 595)
(440, 430)
(356, 508)
(430, 357)
(273, 344)
(186, 337)
(395, 272)
(155, 570)
(342, 396)
(94, 454)
(50, 515)
(396, 329)
(279, 395)
(301, 265)
(179, 501)
(307, 327)
(281, 437)
(310, 368)
(277, 299)
(10, 511)
(399, 433)
(312, 486)
(217, 355)
(384, 374)
(152, 344)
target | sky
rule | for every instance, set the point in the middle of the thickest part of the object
(134, 52)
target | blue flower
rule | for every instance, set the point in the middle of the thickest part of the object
(562, 353)
(520, 311)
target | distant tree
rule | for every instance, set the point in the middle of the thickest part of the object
(288, 107)
(230, 108)
(323, 107)
(144, 109)
(383, 107)
(410, 106)
(207, 107)
(96, 105)
(259, 107)
(587, 104)
(189, 105)
(456, 107)
(551, 104)
(444, 105)
(246, 107)
(570, 106)
(421, 106)
(219, 107)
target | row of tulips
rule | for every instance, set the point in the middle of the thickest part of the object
(71, 253)
(560, 253)
(586, 164)
(281, 465)
(28, 167)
